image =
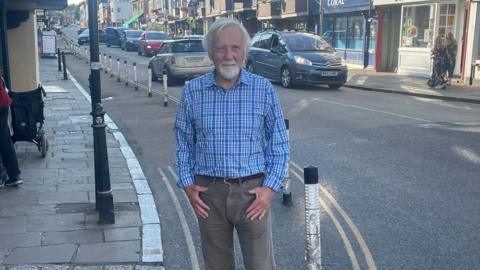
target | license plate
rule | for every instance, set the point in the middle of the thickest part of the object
(195, 59)
(329, 73)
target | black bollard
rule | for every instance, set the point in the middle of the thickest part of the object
(64, 67)
(312, 218)
(59, 60)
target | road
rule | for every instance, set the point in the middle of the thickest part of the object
(398, 174)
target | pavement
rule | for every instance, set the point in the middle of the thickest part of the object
(50, 221)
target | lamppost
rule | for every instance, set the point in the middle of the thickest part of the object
(103, 190)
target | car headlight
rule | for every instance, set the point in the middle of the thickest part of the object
(302, 61)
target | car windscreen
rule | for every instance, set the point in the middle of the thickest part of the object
(156, 36)
(298, 42)
(133, 34)
(186, 46)
(85, 32)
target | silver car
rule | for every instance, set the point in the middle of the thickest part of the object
(181, 59)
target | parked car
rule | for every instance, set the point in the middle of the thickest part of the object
(84, 37)
(294, 57)
(181, 59)
(80, 30)
(113, 34)
(150, 42)
(129, 41)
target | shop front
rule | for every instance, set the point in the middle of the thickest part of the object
(413, 26)
(350, 27)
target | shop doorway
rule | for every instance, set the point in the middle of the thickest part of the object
(390, 39)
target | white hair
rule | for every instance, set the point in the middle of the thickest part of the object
(218, 25)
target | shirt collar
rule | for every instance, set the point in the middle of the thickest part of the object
(245, 78)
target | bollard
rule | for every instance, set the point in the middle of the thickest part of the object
(105, 62)
(287, 193)
(126, 73)
(118, 69)
(312, 218)
(100, 60)
(59, 60)
(149, 80)
(165, 88)
(111, 66)
(86, 55)
(135, 81)
(64, 66)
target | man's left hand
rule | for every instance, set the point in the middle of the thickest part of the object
(261, 204)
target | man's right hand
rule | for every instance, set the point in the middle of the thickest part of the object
(200, 207)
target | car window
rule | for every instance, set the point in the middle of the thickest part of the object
(142, 36)
(165, 48)
(188, 46)
(306, 42)
(85, 32)
(156, 36)
(264, 41)
(133, 34)
(255, 40)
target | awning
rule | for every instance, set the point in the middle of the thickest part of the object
(133, 19)
(337, 6)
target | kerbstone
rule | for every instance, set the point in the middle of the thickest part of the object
(23, 267)
(45, 254)
(119, 267)
(111, 252)
(96, 267)
(55, 267)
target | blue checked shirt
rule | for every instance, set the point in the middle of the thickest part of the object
(232, 132)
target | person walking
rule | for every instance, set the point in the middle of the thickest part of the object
(7, 151)
(439, 55)
(451, 49)
(231, 152)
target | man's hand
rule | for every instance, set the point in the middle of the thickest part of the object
(261, 204)
(200, 207)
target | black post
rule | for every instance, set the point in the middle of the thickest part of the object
(59, 60)
(103, 190)
(64, 67)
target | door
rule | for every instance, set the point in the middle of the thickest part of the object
(391, 38)
(276, 56)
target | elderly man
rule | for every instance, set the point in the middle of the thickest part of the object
(232, 151)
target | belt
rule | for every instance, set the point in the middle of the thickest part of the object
(230, 181)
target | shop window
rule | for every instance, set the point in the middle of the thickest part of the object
(373, 35)
(417, 26)
(340, 33)
(446, 19)
(355, 33)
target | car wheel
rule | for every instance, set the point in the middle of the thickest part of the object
(334, 85)
(250, 67)
(286, 77)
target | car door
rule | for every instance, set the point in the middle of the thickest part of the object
(141, 43)
(262, 54)
(163, 55)
(277, 56)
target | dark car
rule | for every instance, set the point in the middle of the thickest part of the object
(80, 30)
(294, 57)
(84, 37)
(129, 41)
(113, 35)
(150, 42)
(180, 59)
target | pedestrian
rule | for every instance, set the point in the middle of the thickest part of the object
(451, 48)
(231, 152)
(439, 55)
(7, 151)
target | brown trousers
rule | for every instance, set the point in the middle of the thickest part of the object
(228, 205)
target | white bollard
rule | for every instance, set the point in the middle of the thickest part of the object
(126, 73)
(165, 89)
(106, 63)
(100, 61)
(287, 193)
(312, 218)
(149, 80)
(86, 55)
(118, 69)
(111, 66)
(135, 79)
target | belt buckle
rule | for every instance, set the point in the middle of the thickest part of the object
(225, 181)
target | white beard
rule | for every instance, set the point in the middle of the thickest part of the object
(228, 72)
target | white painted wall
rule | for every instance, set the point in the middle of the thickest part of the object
(121, 10)
(23, 56)
(473, 43)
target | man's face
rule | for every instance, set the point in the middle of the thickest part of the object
(228, 52)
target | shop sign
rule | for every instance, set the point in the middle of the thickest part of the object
(336, 6)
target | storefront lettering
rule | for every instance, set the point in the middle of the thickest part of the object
(335, 3)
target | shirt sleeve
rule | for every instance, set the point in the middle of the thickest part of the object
(185, 138)
(277, 148)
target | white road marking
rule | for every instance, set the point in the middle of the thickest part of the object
(348, 220)
(373, 110)
(341, 231)
(183, 221)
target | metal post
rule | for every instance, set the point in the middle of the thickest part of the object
(118, 69)
(149, 80)
(103, 190)
(312, 218)
(59, 60)
(64, 67)
(105, 62)
(100, 60)
(126, 73)
(165, 89)
(111, 66)
(86, 54)
(320, 19)
(287, 194)
(135, 75)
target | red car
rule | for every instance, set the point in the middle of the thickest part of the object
(150, 42)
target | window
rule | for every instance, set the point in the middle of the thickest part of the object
(340, 33)
(417, 26)
(156, 36)
(306, 42)
(264, 41)
(447, 19)
(188, 46)
(255, 41)
(373, 35)
(355, 32)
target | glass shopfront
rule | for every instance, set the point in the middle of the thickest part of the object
(418, 26)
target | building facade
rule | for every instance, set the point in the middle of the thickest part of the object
(120, 11)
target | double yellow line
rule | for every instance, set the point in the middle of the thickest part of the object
(297, 171)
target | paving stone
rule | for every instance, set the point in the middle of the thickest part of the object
(118, 267)
(13, 225)
(27, 210)
(111, 252)
(23, 267)
(76, 187)
(95, 267)
(122, 219)
(62, 197)
(45, 254)
(68, 165)
(55, 267)
(73, 237)
(58, 222)
(20, 240)
(75, 172)
(9, 196)
(122, 186)
(122, 234)
(125, 196)
(66, 180)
